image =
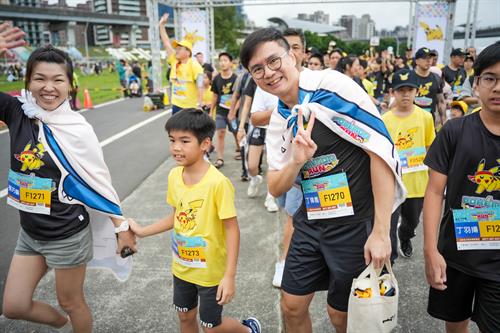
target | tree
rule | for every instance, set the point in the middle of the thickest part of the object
(228, 24)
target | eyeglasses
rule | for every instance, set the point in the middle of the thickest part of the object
(488, 80)
(274, 64)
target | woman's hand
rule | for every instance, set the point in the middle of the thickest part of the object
(10, 37)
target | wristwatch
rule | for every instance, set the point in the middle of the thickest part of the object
(122, 227)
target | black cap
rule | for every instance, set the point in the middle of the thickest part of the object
(433, 53)
(422, 52)
(404, 78)
(312, 49)
(457, 52)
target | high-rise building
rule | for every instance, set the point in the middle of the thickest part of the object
(318, 16)
(358, 28)
(106, 35)
(366, 27)
(350, 22)
(35, 32)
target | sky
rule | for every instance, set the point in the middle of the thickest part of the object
(488, 14)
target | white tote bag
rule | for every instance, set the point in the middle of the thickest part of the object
(368, 311)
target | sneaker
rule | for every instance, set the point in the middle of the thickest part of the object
(244, 178)
(278, 273)
(270, 204)
(253, 188)
(405, 248)
(253, 324)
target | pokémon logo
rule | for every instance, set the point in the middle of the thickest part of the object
(404, 77)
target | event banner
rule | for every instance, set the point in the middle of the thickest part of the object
(194, 29)
(430, 29)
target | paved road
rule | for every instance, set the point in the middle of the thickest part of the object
(130, 159)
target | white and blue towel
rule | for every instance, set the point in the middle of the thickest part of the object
(345, 108)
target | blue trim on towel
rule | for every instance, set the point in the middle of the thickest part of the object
(75, 187)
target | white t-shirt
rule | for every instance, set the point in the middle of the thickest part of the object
(263, 101)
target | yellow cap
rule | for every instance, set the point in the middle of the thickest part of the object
(461, 104)
(187, 44)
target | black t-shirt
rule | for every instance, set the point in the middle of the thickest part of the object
(463, 149)
(249, 90)
(224, 89)
(377, 78)
(455, 79)
(428, 89)
(64, 220)
(347, 158)
(207, 67)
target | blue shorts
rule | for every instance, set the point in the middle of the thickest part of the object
(291, 200)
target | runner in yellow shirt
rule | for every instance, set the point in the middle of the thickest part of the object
(186, 74)
(412, 130)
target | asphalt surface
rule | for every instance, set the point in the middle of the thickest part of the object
(143, 303)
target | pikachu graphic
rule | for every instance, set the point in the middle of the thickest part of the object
(406, 141)
(432, 34)
(486, 180)
(31, 158)
(192, 36)
(187, 218)
(424, 89)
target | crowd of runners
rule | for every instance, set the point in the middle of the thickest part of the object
(354, 147)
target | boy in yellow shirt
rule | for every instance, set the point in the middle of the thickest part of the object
(205, 236)
(412, 130)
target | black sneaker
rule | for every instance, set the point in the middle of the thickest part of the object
(405, 248)
(245, 178)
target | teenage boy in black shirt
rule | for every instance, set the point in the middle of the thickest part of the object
(429, 93)
(462, 260)
(454, 73)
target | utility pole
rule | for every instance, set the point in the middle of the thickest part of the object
(474, 24)
(467, 25)
(154, 40)
(452, 5)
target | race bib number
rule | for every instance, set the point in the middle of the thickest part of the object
(29, 193)
(189, 251)
(225, 101)
(327, 197)
(179, 90)
(477, 229)
(412, 159)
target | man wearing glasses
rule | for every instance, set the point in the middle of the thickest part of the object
(462, 249)
(345, 165)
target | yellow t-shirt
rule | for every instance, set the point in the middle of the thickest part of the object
(207, 96)
(199, 237)
(369, 86)
(412, 135)
(183, 78)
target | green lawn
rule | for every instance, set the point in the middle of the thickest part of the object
(102, 88)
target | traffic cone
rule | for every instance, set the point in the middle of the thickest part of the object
(87, 102)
